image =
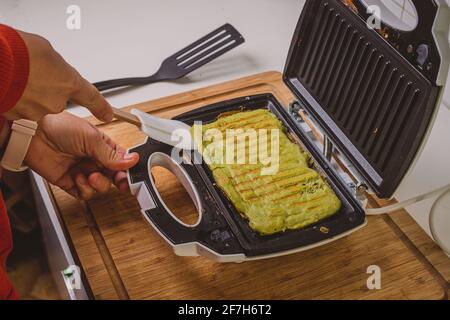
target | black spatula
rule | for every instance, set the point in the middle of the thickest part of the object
(192, 57)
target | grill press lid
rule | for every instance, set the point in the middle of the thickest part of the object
(374, 93)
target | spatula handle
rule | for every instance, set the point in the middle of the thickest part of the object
(126, 116)
(125, 82)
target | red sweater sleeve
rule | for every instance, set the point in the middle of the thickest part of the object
(14, 67)
(6, 288)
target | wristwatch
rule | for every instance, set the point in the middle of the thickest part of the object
(22, 131)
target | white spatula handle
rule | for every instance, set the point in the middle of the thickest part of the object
(126, 116)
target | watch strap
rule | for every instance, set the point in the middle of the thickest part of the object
(22, 131)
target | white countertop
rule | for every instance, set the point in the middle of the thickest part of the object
(131, 38)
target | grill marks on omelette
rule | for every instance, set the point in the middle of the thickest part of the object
(295, 197)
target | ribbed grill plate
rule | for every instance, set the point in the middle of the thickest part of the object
(372, 103)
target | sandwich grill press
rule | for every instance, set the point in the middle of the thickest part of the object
(374, 94)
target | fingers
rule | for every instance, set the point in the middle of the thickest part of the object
(99, 182)
(111, 156)
(88, 96)
(97, 163)
(85, 185)
(68, 185)
(95, 183)
(121, 181)
(86, 191)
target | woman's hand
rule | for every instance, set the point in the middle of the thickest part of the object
(74, 155)
(52, 83)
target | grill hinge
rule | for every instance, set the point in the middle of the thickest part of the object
(359, 190)
(330, 152)
(328, 148)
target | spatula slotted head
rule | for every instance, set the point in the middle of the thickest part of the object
(200, 52)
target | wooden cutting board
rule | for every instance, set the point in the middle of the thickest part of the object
(123, 257)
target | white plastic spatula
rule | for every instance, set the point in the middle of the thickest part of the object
(171, 132)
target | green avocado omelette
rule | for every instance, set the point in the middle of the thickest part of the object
(293, 197)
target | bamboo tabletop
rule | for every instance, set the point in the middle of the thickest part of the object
(124, 258)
